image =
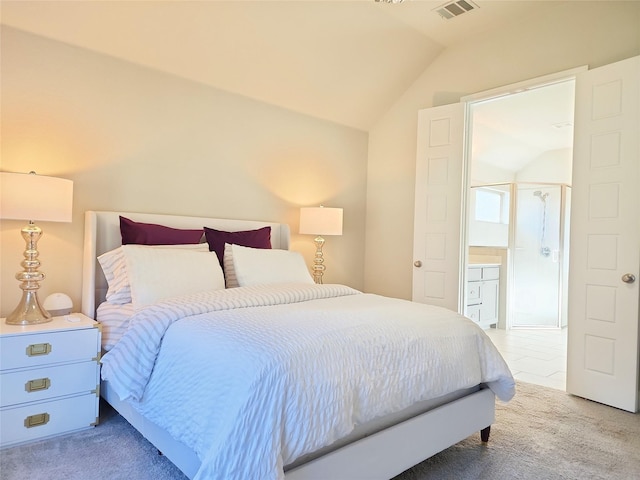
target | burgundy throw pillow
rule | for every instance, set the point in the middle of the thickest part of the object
(260, 238)
(152, 234)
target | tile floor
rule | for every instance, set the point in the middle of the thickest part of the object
(534, 355)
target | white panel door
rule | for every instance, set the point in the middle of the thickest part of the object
(602, 357)
(436, 238)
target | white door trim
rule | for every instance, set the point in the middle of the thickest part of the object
(468, 100)
(530, 84)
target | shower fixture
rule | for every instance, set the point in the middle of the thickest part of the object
(538, 193)
(544, 250)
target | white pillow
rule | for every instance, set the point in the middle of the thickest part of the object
(229, 271)
(255, 266)
(114, 266)
(156, 274)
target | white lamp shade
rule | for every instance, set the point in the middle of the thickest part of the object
(321, 221)
(27, 196)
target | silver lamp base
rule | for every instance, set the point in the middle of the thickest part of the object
(318, 261)
(29, 311)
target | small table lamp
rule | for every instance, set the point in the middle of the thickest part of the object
(33, 197)
(320, 221)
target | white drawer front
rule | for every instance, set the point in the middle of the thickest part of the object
(490, 273)
(473, 313)
(473, 293)
(18, 351)
(22, 424)
(47, 382)
(474, 273)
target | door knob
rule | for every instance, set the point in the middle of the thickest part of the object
(417, 263)
(628, 278)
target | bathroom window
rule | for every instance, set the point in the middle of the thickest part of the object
(491, 205)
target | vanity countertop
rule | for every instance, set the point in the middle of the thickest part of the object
(484, 260)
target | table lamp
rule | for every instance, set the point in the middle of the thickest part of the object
(320, 221)
(33, 197)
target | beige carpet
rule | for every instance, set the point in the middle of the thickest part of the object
(541, 434)
(544, 434)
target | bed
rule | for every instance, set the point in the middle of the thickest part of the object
(369, 442)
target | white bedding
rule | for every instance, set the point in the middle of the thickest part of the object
(271, 373)
(114, 319)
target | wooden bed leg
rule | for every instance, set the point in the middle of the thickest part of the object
(484, 434)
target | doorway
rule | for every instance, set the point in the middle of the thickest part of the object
(519, 193)
(603, 360)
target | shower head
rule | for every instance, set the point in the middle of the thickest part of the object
(538, 193)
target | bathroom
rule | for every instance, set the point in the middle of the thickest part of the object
(519, 203)
(521, 229)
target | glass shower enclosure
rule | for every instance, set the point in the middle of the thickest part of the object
(539, 256)
(537, 251)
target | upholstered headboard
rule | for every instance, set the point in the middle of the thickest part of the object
(102, 233)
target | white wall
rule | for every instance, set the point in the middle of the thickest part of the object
(483, 173)
(553, 166)
(135, 139)
(595, 34)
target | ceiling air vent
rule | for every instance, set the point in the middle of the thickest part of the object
(454, 9)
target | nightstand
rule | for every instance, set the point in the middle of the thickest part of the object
(49, 378)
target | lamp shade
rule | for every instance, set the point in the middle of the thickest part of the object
(321, 221)
(27, 196)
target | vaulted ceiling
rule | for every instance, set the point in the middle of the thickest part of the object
(511, 131)
(344, 61)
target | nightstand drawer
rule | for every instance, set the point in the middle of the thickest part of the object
(19, 351)
(44, 419)
(47, 382)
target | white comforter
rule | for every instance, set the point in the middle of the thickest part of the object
(252, 378)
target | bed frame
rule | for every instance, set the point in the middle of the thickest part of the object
(405, 439)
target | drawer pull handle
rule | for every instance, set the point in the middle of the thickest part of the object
(37, 349)
(37, 384)
(36, 420)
